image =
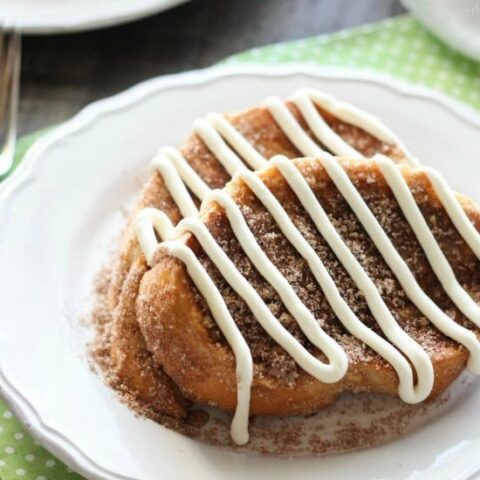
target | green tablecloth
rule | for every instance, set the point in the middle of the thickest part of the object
(398, 47)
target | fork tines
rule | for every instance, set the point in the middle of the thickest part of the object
(10, 59)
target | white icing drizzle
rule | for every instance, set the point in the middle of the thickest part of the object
(393, 258)
(147, 222)
(328, 373)
(226, 324)
(215, 143)
(189, 176)
(327, 284)
(377, 306)
(174, 184)
(338, 362)
(354, 116)
(221, 138)
(292, 129)
(430, 246)
(320, 127)
(305, 100)
(220, 135)
(454, 209)
(336, 368)
(236, 140)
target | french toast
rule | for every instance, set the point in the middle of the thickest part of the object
(418, 333)
(130, 364)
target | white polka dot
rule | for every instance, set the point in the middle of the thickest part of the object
(395, 51)
(344, 34)
(378, 46)
(18, 436)
(50, 463)
(41, 477)
(405, 27)
(1, 429)
(20, 472)
(2, 463)
(302, 43)
(443, 75)
(29, 457)
(366, 29)
(9, 450)
(372, 57)
(356, 52)
(296, 54)
(474, 95)
(270, 59)
(424, 72)
(417, 44)
(7, 414)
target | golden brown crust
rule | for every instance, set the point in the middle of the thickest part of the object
(181, 334)
(134, 369)
(129, 357)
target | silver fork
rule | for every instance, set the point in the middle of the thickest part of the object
(10, 62)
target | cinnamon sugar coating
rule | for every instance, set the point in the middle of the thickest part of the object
(121, 349)
(184, 339)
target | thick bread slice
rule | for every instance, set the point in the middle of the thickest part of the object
(130, 363)
(184, 339)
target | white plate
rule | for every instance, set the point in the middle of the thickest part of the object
(60, 16)
(67, 194)
(456, 22)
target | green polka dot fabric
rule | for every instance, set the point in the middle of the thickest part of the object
(21, 457)
(398, 47)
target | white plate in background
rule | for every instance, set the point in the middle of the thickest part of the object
(62, 16)
(456, 22)
(67, 194)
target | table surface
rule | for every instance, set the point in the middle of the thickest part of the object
(63, 73)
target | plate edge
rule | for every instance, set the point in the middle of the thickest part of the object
(90, 23)
(20, 405)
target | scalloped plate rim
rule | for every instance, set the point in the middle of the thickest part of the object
(21, 406)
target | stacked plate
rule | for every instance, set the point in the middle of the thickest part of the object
(54, 16)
